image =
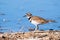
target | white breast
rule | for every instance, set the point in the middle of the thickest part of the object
(34, 22)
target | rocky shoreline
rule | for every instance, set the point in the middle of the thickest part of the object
(32, 35)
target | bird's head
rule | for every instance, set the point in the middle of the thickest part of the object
(28, 15)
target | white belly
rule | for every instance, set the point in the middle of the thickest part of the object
(34, 22)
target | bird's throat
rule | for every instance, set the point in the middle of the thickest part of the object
(29, 18)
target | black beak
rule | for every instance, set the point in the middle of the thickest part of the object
(24, 16)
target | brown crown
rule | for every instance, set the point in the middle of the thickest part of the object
(29, 14)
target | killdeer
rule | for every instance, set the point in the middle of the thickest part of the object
(37, 20)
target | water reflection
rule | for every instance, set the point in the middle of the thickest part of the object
(2, 14)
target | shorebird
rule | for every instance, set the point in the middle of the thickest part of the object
(36, 20)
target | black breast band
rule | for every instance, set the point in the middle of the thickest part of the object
(29, 19)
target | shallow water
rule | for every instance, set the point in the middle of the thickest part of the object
(12, 11)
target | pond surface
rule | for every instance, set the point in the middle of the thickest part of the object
(12, 11)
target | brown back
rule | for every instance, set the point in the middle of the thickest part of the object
(39, 19)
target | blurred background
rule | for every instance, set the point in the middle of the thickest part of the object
(12, 12)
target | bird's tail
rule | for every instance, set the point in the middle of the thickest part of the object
(51, 21)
